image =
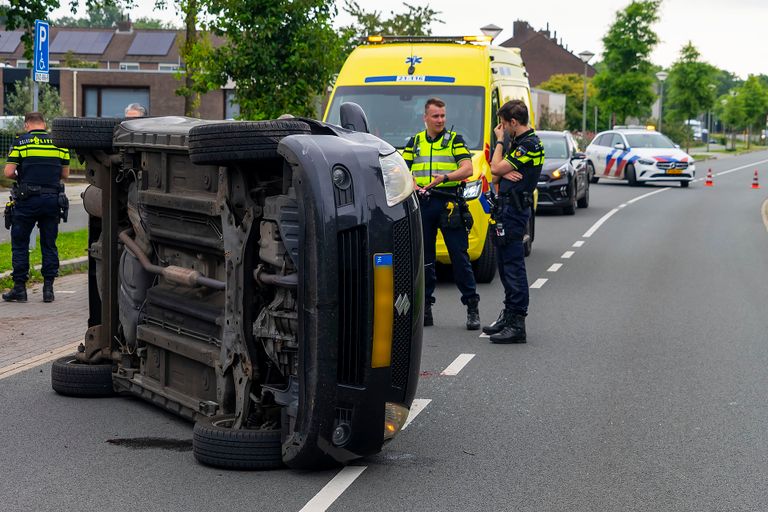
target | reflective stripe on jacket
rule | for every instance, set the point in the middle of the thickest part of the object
(429, 159)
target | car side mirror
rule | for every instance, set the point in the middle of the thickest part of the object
(677, 146)
(578, 156)
(620, 145)
(352, 117)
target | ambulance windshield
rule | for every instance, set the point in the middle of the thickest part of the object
(396, 112)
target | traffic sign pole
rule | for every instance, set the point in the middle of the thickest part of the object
(40, 69)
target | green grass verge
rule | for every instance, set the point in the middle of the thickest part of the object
(72, 244)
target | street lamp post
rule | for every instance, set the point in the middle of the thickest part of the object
(712, 88)
(585, 56)
(661, 75)
(491, 31)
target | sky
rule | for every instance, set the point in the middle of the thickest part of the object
(728, 34)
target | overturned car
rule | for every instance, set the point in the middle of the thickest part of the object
(263, 279)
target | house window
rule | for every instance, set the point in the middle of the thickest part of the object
(129, 66)
(162, 66)
(111, 101)
(231, 107)
(22, 63)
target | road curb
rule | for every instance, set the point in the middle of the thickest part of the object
(66, 264)
(764, 212)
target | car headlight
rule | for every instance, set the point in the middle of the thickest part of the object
(645, 161)
(398, 181)
(395, 416)
(562, 172)
(473, 189)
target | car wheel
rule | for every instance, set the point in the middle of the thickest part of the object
(84, 133)
(225, 143)
(530, 233)
(591, 173)
(570, 209)
(684, 184)
(484, 267)
(584, 201)
(215, 443)
(70, 377)
(631, 175)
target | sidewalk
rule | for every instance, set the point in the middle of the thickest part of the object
(36, 327)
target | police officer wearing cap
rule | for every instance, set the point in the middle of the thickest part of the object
(516, 173)
(439, 160)
(38, 168)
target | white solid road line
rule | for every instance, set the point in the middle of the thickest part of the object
(567, 254)
(555, 267)
(596, 225)
(649, 194)
(579, 243)
(333, 489)
(539, 283)
(37, 360)
(418, 405)
(458, 364)
(740, 168)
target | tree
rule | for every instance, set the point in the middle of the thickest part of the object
(20, 102)
(730, 109)
(754, 98)
(625, 83)
(105, 16)
(21, 14)
(572, 85)
(415, 21)
(691, 87)
(144, 23)
(280, 53)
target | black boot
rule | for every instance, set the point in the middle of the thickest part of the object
(17, 294)
(48, 290)
(428, 322)
(497, 326)
(514, 331)
(473, 315)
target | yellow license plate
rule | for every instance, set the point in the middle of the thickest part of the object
(674, 171)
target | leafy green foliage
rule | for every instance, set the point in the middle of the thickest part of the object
(572, 85)
(754, 96)
(281, 54)
(21, 14)
(625, 82)
(97, 16)
(20, 102)
(415, 21)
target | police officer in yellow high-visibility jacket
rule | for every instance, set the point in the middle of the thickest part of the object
(439, 159)
(38, 168)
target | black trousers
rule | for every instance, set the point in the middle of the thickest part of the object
(42, 210)
(511, 258)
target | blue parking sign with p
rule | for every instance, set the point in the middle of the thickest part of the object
(41, 51)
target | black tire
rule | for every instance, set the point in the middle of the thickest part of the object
(215, 444)
(591, 173)
(84, 133)
(224, 143)
(570, 209)
(684, 184)
(485, 266)
(70, 377)
(584, 201)
(530, 233)
(631, 175)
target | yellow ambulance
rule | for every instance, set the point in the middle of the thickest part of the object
(392, 78)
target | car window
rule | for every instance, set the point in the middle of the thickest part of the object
(602, 140)
(554, 146)
(649, 140)
(617, 139)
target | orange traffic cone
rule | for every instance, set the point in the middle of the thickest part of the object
(755, 184)
(708, 182)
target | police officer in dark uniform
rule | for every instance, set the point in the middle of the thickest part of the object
(38, 168)
(516, 173)
(439, 160)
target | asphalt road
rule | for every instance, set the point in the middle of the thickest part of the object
(642, 387)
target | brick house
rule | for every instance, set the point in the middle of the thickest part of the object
(131, 66)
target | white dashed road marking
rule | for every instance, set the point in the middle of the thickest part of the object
(333, 489)
(579, 243)
(458, 364)
(567, 254)
(539, 283)
(418, 405)
(555, 267)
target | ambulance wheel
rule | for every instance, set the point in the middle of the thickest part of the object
(631, 175)
(84, 133)
(70, 377)
(243, 141)
(484, 267)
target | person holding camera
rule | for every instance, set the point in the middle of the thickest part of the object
(439, 160)
(516, 174)
(38, 168)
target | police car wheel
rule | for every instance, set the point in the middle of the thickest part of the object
(484, 267)
(225, 143)
(84, 133)
(215, 443)
(631, 175)
(70, 377)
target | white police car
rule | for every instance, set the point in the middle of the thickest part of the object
(638, 155)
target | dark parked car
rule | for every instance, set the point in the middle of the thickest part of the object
(259, 278)
(563, 183)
